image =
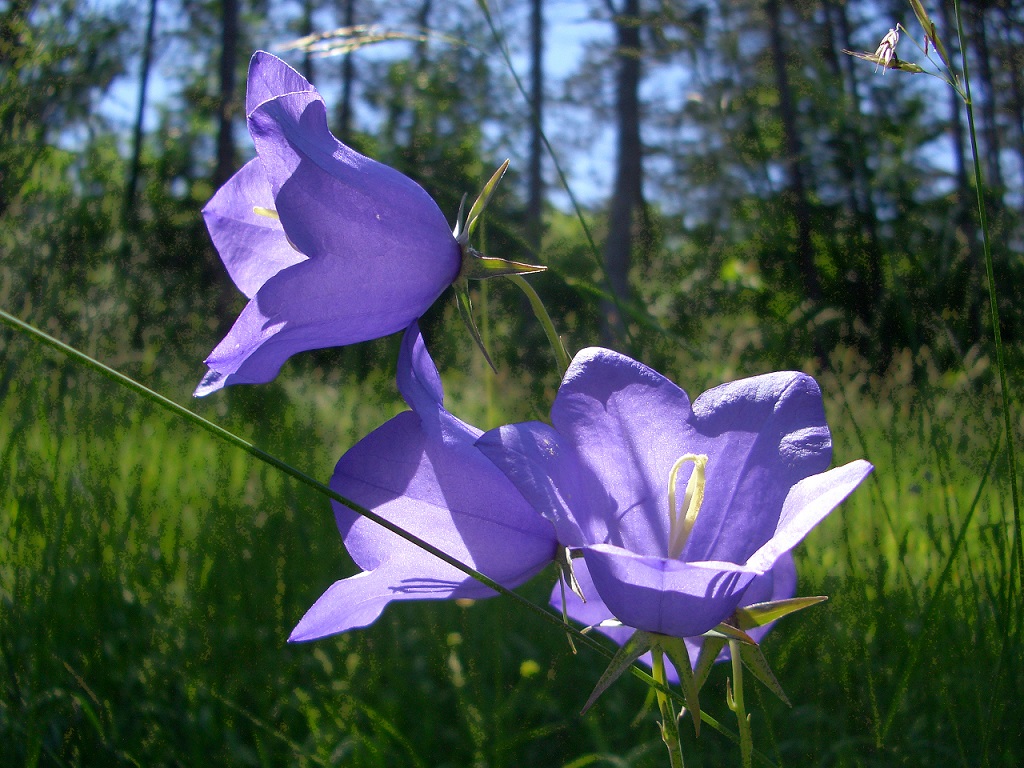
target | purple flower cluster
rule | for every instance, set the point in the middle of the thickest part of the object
(678, 512)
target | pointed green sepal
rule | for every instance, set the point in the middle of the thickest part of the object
(466, 311)
(730, 632)
(759, 614)
(709, 650)
(481, 203)
(476, 266)
(637, 645)
(675, 647)
(754, 660)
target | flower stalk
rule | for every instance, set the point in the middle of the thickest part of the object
(735, 700)
(669, 718)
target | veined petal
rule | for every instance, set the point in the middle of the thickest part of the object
(628, 425)
(663, 595)
(549, 475)
(252, 246)
(359, 600)
(763, 434)
(807, 505)
(268, 78)
(421, 471)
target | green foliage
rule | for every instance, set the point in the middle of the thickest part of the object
(149, 578)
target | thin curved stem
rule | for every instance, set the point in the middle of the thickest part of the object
(1017, 558)
(561, 356)
(736, 705)
(669, 719)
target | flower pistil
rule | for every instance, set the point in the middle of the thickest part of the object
(682, 518)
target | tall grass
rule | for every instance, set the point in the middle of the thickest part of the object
(149, 577)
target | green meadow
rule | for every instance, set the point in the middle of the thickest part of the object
(150, 575)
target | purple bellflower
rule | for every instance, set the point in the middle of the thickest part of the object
(422, 471)
(610, 474)
(330, 247)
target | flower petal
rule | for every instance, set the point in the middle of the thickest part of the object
(359, 600)
(762, 435)
(778, 584)
(807, 505)
(379, 250)
(436, 485)
(268, 78)
(627, 424)
(664, 595)
(335, 202)
(548, 474)
(252, 246)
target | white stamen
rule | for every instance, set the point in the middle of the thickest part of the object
(681, 519)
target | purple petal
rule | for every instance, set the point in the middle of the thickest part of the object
(358, 601)
(807, 505)
(762, 435)
(777, 584)
(421, 471)
(663, 595)
(269, 77)
(335, 202)
(627, 424)
(448, 495)
(253, 247)
(417, 378)
(548, 474)
(379, 250)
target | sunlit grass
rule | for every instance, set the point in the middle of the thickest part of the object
(150, 576)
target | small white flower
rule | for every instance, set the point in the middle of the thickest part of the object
(886, 51)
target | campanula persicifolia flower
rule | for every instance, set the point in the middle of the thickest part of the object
(678, 508)
(422, 471)
(330, 247)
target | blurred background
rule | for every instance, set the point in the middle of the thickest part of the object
(727, 193)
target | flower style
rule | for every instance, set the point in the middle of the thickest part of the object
(330, 247)
(422, 471)
(752, 456)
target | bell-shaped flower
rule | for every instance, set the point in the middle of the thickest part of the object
(421, 471)
(330, 247)
(679, 509)
(777, 584)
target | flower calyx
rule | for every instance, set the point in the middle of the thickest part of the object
(477, 266)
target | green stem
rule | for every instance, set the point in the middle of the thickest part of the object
(669, 720)
(561, 356)
(1017, 557)
(736, 705)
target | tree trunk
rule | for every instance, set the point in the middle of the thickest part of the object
(135, 166)
(855, 166)
(796, 193)
(535, 170)
(348, 77)
(306, 29)
(988, 107)
(226, 152)
(627, 195)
